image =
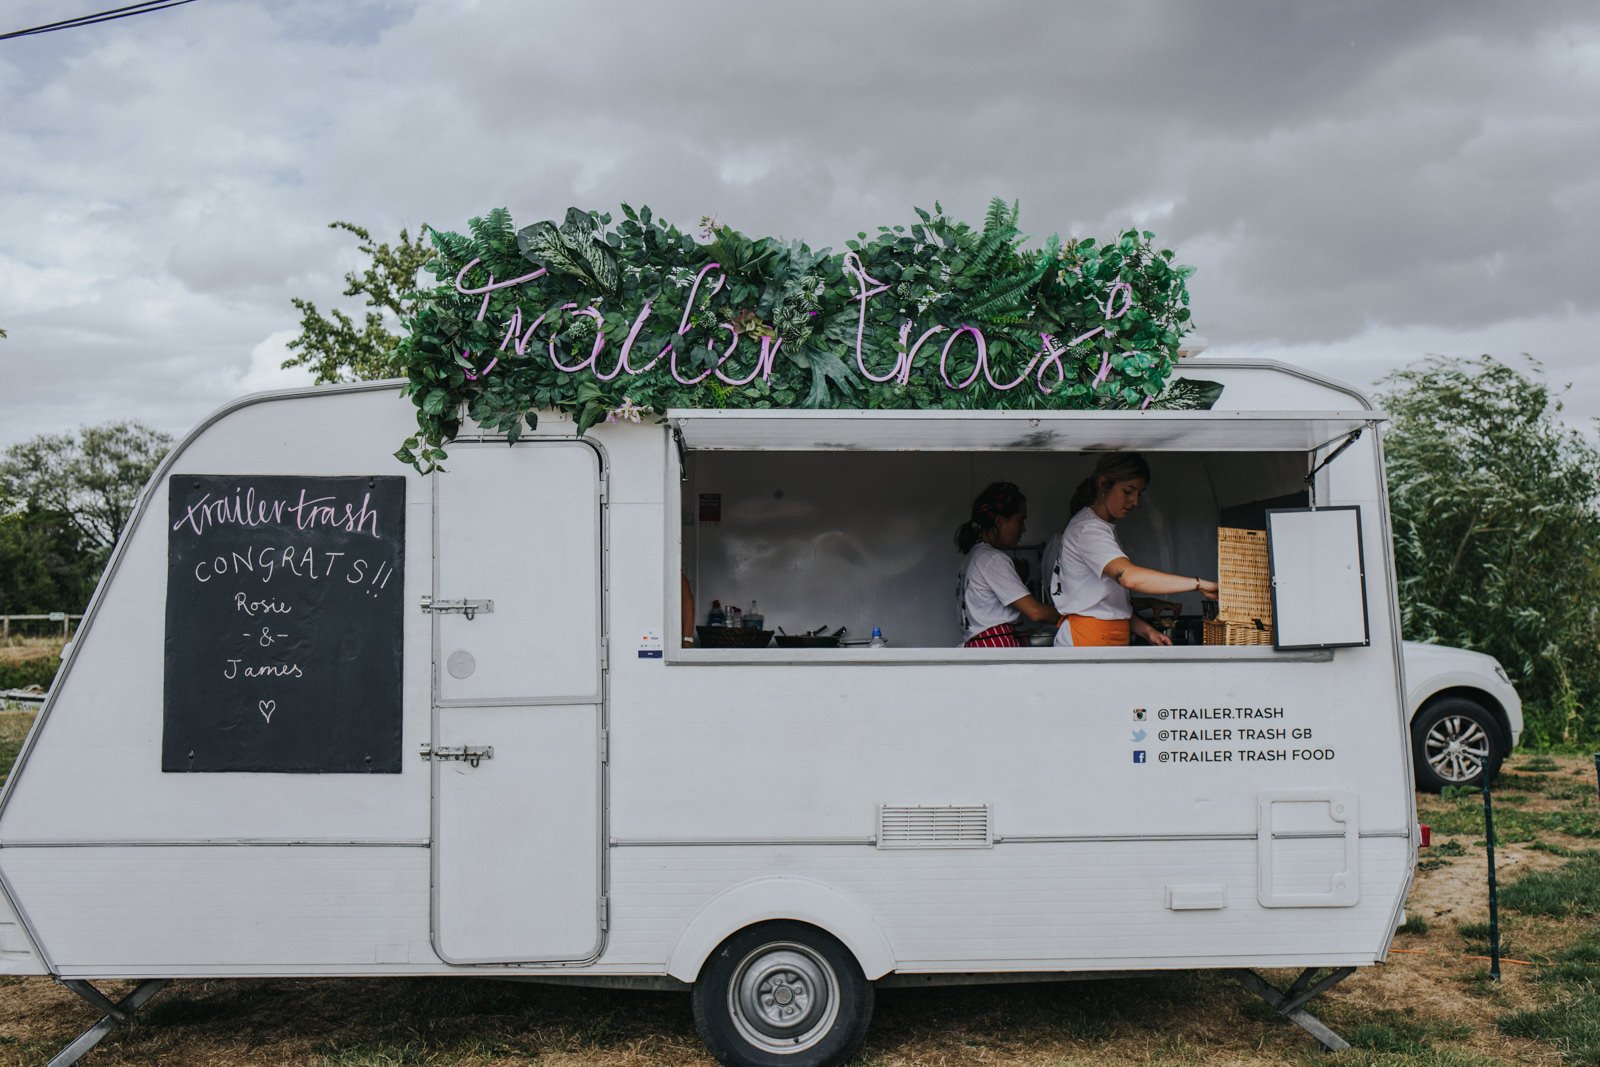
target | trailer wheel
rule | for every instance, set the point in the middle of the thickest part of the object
(782, 994)
(1455, 741)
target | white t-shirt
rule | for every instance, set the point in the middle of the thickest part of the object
(1078, 584)
(989, 586)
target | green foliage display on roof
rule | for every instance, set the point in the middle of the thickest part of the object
(608, 322)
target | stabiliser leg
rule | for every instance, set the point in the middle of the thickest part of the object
(115, 1014)
(1288, 1002)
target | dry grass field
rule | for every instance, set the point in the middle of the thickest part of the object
(20, 649)
(1432, 1004)
(28, 661)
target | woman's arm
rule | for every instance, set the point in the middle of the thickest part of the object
(1036, 610)
(1137, 579)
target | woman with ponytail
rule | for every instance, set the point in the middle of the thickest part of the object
(1093, 577)
(993, 598)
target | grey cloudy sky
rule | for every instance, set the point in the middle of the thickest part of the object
(1358, 183)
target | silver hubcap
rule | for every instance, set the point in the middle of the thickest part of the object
(1457, 748)
(783, 997)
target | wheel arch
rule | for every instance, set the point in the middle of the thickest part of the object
(1474, 694)
(765, 899)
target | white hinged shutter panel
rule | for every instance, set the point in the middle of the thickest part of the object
(1319, 597)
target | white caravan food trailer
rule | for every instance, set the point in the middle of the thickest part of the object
(327, 716)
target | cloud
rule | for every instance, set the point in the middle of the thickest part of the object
(1423, 174)
(266, 370)
(1559, 343)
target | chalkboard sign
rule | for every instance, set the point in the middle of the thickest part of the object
(283, 641)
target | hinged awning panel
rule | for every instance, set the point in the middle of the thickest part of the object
(790, 430)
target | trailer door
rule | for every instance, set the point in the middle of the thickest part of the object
(516, 747)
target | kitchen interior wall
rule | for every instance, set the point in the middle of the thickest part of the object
(864, 539)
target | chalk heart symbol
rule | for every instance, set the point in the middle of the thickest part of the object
(267, 708)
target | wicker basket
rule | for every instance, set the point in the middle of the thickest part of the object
(1245, 588)
(1220, 632)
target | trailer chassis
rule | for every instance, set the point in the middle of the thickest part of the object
(116, 1013)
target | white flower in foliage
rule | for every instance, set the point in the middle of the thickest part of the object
(628, 412)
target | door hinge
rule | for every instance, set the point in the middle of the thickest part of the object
(605, 913)
(605, 653)
(469, 608)
(468, 754)
(605, 746)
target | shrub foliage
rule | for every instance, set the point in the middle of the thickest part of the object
(1496, 512)
(596, 320)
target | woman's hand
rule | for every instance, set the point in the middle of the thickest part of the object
(1149, 633)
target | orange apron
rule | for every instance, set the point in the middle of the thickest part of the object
(1087, 632)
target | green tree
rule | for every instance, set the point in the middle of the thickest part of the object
(90, 478)
(333, 346)
(44, 565)
(1496, 512)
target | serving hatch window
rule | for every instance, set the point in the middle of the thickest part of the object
(822, 521)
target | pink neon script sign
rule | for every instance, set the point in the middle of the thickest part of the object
(1118, 302)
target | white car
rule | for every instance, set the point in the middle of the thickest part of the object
(1465, 714)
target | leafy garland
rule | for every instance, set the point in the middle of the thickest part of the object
(614, 323)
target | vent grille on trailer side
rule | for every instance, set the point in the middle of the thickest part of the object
(934, 826)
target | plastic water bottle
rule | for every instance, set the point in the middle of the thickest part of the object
(753, 619)
(716, 617)
(877, 639)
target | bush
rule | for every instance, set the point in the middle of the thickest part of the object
(1496, 513)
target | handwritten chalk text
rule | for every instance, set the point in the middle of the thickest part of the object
(265, 670)
(245, 508)
(252, 608)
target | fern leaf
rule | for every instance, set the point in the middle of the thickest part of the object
(826, 366)
(1188, 394)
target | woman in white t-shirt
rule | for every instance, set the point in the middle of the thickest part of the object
(993, 598)
(1092, 578)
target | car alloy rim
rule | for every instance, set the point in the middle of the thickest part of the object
(784, 997)
(1457, 748)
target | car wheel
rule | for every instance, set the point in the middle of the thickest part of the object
(782, 993)
(1454, 742)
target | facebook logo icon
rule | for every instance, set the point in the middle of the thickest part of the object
(1138, 755)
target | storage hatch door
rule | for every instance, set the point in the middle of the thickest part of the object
(516, 749)
(1308, 848)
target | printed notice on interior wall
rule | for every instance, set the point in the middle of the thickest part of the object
(283, 639)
